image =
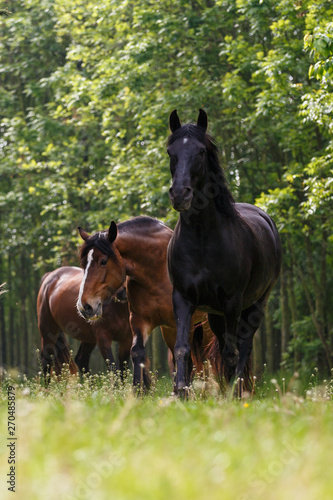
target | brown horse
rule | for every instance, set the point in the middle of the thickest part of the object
(57, 315)
(137, 249)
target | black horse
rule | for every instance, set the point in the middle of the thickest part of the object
(223, 258)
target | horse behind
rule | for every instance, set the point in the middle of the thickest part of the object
(57, 315)
(136, 250)
(223, 258)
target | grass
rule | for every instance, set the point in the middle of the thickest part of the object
(92, 439)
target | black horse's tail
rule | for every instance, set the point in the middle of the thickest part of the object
(63, 356)
(214, 356)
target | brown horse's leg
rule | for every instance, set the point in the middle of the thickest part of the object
(140, 330)
(169, 335)
(63, 355)
(83, 356)
(48, 352)
(49, 332)
(124, 354)
(104, 344)
(218, 326)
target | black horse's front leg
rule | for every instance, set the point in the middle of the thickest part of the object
(183, 310)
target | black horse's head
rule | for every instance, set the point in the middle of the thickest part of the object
(187, 148)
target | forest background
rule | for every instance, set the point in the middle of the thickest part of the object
(86, 89)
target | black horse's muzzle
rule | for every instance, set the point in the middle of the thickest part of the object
(181, 198)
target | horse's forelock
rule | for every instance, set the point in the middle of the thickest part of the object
(99, 241)
(189, 130)
(194, 131)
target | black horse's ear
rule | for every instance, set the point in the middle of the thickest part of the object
(84, 235)
(112, 233)
(174, 121)
(202, 119)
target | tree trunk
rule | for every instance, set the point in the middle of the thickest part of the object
(24, 338)
(294, 318)
(269, 338)
(3, 353)
(285, 311)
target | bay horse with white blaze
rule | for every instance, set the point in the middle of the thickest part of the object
(57, 315)
(136, 250)
(223, 258)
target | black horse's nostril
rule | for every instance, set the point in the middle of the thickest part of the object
(187, 192)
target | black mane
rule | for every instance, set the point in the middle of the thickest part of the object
(98, 240)
(141, 221)
(224, 201)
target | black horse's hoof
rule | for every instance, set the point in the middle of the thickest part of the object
(182, 391)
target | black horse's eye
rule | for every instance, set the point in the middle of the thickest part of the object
(103, 262)
(202, 151)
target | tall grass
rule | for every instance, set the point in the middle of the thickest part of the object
(90, 438)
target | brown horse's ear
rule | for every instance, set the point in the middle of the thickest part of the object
(112, 233)
(84, 235)
(202, 119)
(174, 121)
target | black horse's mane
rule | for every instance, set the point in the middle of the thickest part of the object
(100, 241)
(224, 201)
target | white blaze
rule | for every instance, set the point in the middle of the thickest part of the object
(89, 261)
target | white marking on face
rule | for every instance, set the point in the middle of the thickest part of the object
(89, 261)
(185, 140)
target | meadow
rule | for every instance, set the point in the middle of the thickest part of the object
(91, 438)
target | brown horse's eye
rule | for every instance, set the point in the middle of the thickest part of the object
(103, 262)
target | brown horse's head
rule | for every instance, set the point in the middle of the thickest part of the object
(104, 271)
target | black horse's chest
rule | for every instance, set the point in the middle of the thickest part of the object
(199, 270)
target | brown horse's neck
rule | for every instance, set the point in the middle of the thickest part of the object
(144, 256)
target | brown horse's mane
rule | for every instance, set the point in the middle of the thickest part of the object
(100, 240)
(140, 222)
